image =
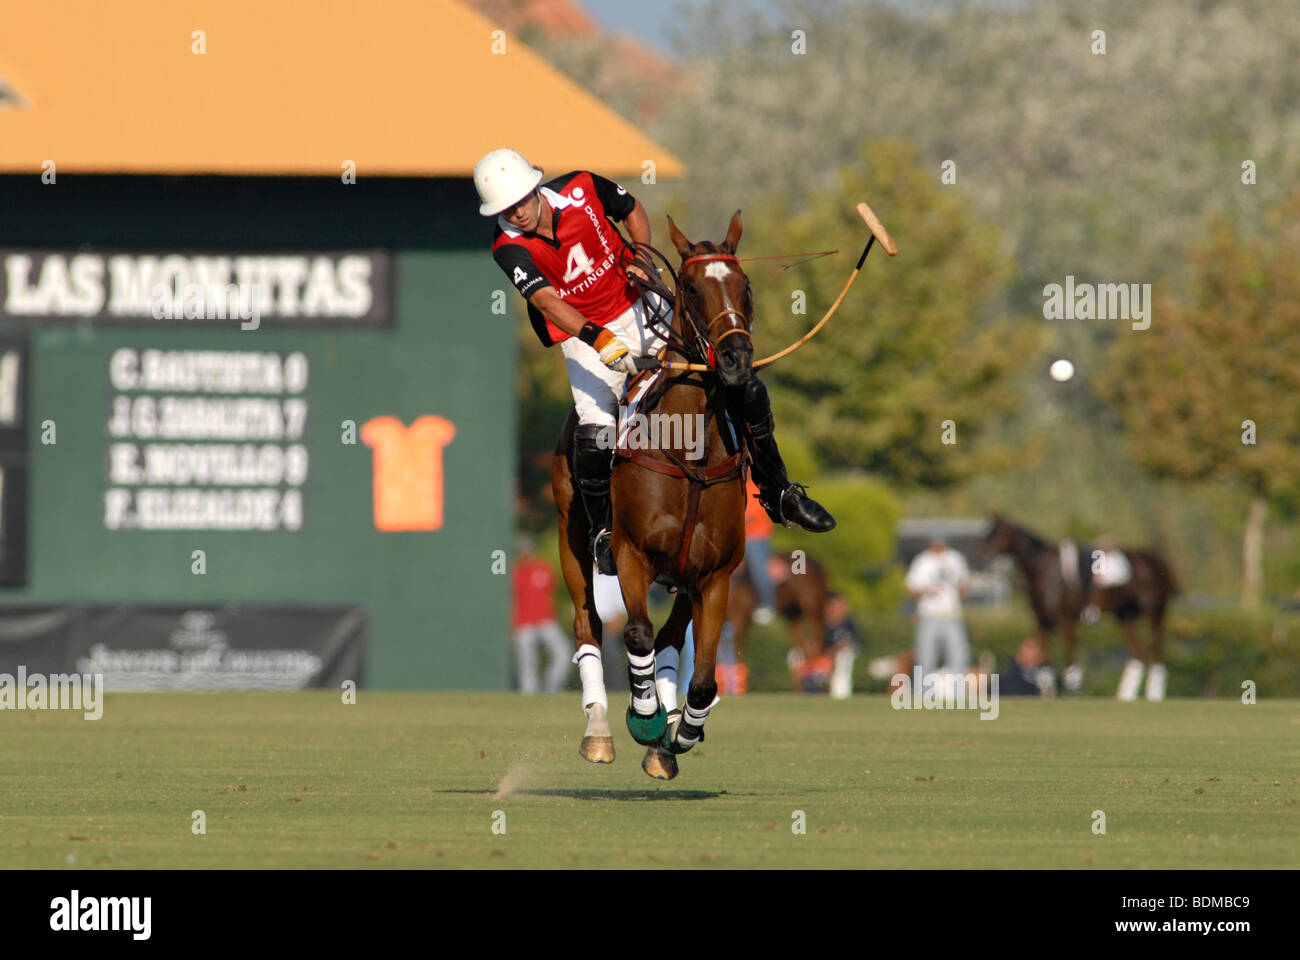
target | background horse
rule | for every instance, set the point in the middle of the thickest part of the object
(676, 521)
(1058, 597)
(801, 592)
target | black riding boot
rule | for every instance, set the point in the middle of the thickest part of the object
(591, 469)
(785, 502)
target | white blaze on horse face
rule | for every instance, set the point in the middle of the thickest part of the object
(718, 270)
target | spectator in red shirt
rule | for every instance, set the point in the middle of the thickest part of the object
(534, 622)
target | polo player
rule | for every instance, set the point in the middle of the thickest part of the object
(556, 243)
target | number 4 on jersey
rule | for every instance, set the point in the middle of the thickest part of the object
(579, 263)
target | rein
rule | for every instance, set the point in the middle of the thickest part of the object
(878, 232)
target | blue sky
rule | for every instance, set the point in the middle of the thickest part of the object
(647, 21)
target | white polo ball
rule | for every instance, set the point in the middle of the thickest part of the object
(1061, 370)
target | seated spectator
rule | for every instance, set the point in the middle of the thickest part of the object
(1025, 676)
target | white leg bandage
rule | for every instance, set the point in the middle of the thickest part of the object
(1130, 680)
(842, 678)
(1156, 676)
(641, 670)
(592, 674)
(666, 677)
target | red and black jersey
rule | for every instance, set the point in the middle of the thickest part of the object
(582, 262)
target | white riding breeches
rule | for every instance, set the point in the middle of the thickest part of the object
(597, 388)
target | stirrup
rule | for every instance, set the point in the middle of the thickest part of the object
(774, 512)
(779, 515)
(798, 488)
(602, 551)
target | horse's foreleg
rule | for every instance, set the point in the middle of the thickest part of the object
(659, 761)
(1044, 637)
(646, 719)
(1157, 672)
(796, 655)
(1131, 679)
(598, 739)
(668, 645)
(1046, 674)
(710, 612)
(1073, 669)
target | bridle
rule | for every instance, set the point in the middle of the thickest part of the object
(699, 345)
(704, 339)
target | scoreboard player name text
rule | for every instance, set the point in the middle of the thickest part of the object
(208, 458)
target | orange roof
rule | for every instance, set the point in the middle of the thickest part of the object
(400, 87)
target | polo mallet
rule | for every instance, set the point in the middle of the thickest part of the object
(878, 232)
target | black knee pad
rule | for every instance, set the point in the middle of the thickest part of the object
(753, 406)
(751, 395)
(587, 433)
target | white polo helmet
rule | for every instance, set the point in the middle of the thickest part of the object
(503, 178)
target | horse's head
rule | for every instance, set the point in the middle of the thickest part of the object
(998, 539)
(714, 306)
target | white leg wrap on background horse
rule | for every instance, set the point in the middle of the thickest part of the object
(1130, 680)
(666, 662)
(842, 678)
(592, 674)
(1156, 675)
(642, 675)
(1074, 677)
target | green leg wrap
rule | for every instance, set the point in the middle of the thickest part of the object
(646, 730)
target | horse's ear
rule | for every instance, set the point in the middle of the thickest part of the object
(679, 239)
(733, 233)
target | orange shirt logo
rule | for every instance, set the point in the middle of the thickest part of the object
(408, 471)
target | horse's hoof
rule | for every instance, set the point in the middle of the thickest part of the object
(646, 730)
(659, 763)
(597, 740)
(597, 749)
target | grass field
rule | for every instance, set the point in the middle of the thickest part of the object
(408, 780)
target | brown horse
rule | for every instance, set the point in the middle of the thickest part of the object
(1058, 597)
(678, 515)
(801, 592)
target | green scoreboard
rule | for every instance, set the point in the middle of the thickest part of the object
(262, 433)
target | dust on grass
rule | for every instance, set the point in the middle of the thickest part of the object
(517, 777)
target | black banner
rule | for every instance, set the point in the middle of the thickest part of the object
(189, 288)
(990, 911)
(188, 648)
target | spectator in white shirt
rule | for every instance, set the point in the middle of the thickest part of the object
(939, 578)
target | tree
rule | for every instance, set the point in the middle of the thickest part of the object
(902, 381)
(1212, 389)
